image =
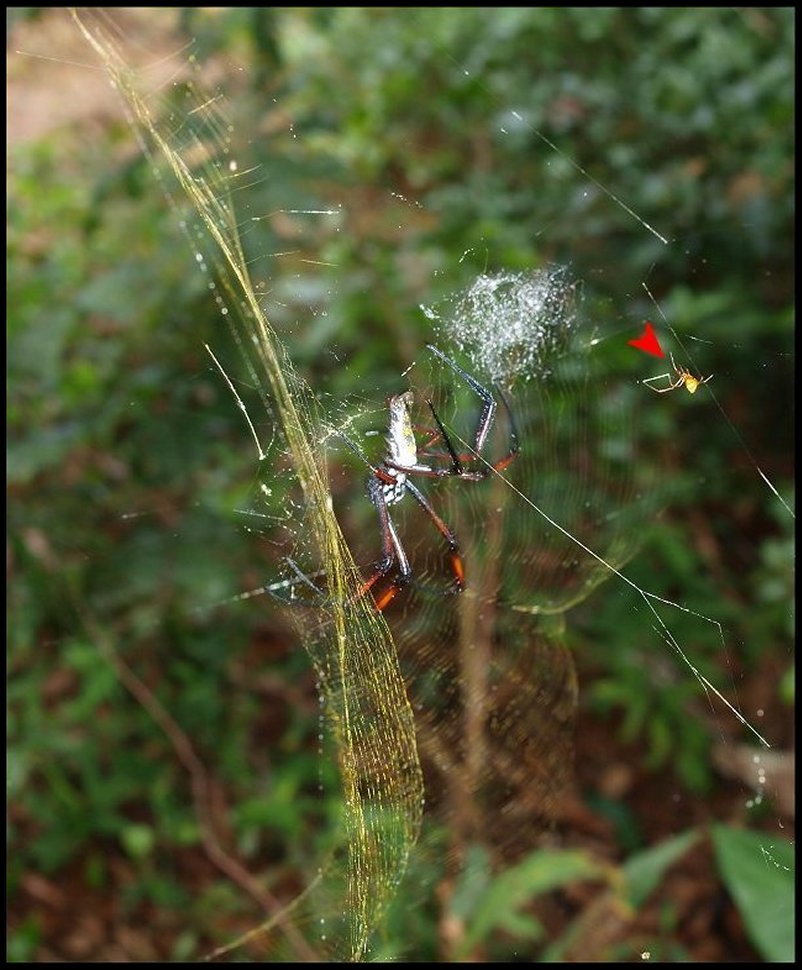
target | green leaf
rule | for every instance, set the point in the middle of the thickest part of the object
(512, 890)
(473, 883)
(758, 871)
(643, 871)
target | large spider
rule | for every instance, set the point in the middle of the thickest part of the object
(390, 479)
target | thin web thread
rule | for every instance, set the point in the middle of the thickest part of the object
(644, 594)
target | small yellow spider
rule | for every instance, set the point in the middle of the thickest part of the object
(684, 377)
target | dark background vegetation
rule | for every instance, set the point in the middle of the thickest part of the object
(127, 459)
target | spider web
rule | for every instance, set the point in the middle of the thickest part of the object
(462, 704)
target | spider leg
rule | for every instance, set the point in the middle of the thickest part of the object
(515, 447)
(457, 565)
(403, 575)
(486, 419)
(431, 437)
(456, 464)
(392, 550)
(426, 471)
(418, 469)
(661, 390)
(657, 377)
(488, 403)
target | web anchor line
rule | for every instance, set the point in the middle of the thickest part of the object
(645, 595)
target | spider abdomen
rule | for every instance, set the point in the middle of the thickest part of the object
(401, 446)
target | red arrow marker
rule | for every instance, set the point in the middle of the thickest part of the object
(648, 342)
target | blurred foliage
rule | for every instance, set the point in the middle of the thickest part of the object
(759, 873)
(487, 903)
(127, 459)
